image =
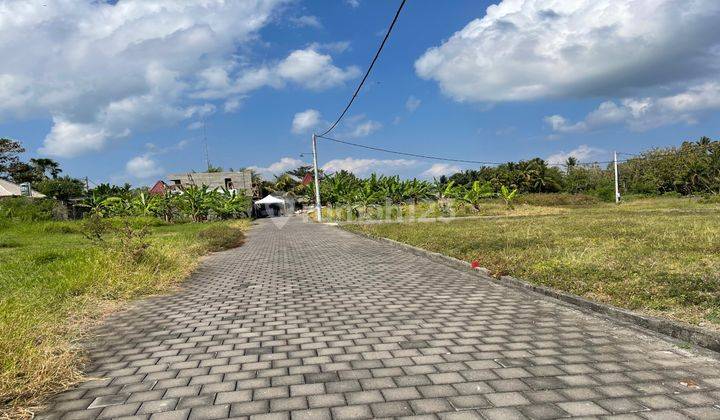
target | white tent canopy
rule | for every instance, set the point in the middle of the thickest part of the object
(269, 199)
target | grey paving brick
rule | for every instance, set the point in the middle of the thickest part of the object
(352, 412)
(326, 400)
(543, 411)
(309, 321)
(582, 408)
(621, 405)
(505, 399)
(171, 415)
(210, 412)
(312, 414)
(502, 414)
(430, 405)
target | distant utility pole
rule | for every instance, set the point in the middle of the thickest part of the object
(318, 208)
(205, 144)
(87, 184)
(617, 185)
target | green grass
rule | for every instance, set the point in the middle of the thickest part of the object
(657, 256)
(54, 283)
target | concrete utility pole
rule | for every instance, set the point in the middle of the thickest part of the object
(617, 185)
(318, 207)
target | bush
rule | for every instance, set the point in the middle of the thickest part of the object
(550, 200)
(219, 238)
(27, 209)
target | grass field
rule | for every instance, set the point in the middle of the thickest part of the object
(658, 256)
(54, 283)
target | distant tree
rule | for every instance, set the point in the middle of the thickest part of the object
(46, 166)
(62, 188)
(571, 162)
(214, 168)
(301, 171)
(38, 169)
(9, 155)
(20, 172)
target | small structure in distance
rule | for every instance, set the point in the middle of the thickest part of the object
(233, 181)
(10, 189)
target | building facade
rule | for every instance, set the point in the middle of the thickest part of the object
(237, 180)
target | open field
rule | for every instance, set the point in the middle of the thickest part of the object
(54, 283)
(530, 205)
(656, 256)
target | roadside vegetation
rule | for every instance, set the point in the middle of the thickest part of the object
(692, 169)
(653, 255)
(57, 278)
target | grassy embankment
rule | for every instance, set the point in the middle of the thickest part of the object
(54, 283)
(657, 256)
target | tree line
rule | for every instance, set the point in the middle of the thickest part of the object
(693, 168)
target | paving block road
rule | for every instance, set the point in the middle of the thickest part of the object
(307, 321)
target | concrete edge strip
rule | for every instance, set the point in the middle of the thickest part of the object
(684, 332)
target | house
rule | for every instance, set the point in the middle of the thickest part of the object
(159, 188)
(9, 189)
(236, 180)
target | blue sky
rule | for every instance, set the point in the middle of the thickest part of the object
(117, 92)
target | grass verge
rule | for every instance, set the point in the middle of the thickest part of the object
(54, 283)
(656, 256)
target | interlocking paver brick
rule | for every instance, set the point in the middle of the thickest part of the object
(309, 321)
(352, 412)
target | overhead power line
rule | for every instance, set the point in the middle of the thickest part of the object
(367, 73)
(379, 149)
(445, 159)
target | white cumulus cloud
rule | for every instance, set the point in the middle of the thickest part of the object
(412, 103)
(362, 167)
(104, 70)
(276, 168)
(532, 49)
(364, 128)
(306, 21)
(314, 70)
(305, 121)
(440, 169)
(582, 153)
(641, 114)
(143, 167)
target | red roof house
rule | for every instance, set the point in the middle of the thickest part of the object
(158, 189)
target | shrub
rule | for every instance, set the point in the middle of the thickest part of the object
(27, 209)
(219, 238)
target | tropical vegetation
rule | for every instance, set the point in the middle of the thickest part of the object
(693, 168)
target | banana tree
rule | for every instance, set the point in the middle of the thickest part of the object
(98, 205)
(417, 190)
(166, 205)
(508, 196)
(366, 196)
(143, 204)
(197, 202)
(478, 192)
(230, 204)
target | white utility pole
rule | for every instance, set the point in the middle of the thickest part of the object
(318, 207)
(617, 185)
